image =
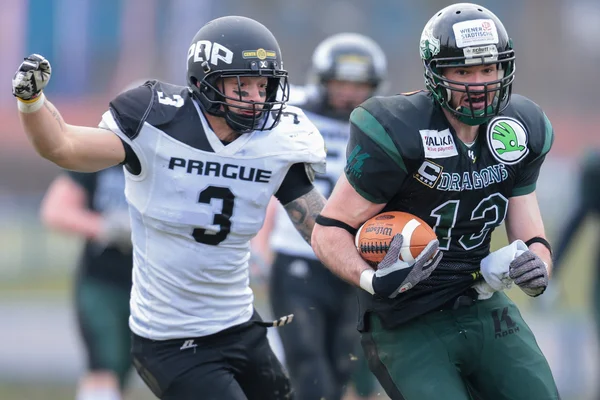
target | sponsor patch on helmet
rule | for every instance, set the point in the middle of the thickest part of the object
(261, 54)
(475, 32)
(474, 55)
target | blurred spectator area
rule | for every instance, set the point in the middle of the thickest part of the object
(97, 47)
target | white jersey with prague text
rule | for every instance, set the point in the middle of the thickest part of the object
(195, 205)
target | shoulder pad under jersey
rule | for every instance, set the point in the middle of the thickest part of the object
(394, 122)
(296, 133)
(154, 102)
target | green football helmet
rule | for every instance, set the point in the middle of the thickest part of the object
(466, 35)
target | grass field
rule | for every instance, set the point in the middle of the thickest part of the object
(56, 392)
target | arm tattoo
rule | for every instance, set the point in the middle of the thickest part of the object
(304, 210)
(56, 115)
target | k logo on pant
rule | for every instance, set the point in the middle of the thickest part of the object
(503, 324)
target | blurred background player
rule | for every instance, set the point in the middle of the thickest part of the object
(347, 69)
(93, 207)
(588, 205)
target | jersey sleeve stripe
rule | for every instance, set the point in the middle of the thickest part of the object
(522, 191)
(369, 125)
(549, 138)
(365, 195)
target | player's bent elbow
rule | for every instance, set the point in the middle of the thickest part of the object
(320, 240)
(314, 239)
(56, 155)
(68, 160)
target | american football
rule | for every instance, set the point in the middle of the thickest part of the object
(374, 236)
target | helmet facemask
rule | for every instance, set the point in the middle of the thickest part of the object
(465, 35)
(442, 87)
(211, 93)
(237, 47)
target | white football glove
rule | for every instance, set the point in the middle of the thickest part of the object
(31, 77)
(116, 231)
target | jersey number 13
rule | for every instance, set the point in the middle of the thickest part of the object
(488, 214)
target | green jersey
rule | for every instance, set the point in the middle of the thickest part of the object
(403, 153)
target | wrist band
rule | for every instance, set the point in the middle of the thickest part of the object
(366, 280)
(30, 106)
(539, 240)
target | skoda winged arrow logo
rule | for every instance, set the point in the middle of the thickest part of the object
(507, 140)
(504, 133)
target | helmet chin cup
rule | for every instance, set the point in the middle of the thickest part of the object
(479, 117)
(244, 124)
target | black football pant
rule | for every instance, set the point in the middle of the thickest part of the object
(321, 343)
(234, 364)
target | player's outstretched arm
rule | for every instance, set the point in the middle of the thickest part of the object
(72, 147)
(334, 246)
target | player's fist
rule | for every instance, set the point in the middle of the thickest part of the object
(31, 77)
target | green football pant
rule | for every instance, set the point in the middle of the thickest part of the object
(102, 316)
(486, 348)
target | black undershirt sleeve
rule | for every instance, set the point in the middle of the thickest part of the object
(131, 161)
(294, 185)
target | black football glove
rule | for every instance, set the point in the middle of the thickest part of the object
(394, 276)
(530, 273)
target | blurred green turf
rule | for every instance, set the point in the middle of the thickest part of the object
(12, 391)
(54, 260)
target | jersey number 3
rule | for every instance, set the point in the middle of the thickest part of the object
(223, 219)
